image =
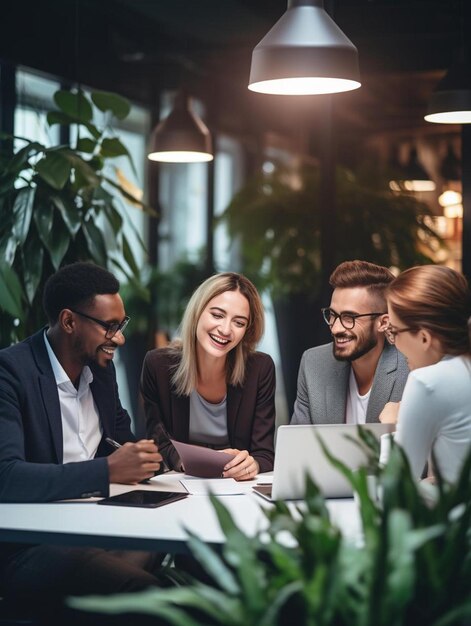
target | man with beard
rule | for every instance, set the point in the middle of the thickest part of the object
(351, 379)
(58, 403)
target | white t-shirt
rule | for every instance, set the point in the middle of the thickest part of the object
(435, 412)
(357, 405)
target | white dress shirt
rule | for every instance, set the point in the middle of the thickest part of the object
(81, 428)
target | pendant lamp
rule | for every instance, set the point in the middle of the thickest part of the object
(450, 103)
(182, 137)
(450, 168)
(304, 53)
(413, 176)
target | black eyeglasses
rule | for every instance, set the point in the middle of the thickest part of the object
(111, 327)
(391, 332)
(347, 320)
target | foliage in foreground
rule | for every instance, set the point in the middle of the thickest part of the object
(413, 567)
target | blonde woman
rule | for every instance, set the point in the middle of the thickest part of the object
(429, 309)
(211, 387)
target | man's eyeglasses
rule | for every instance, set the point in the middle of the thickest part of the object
(347, 320)
(391, 333)
(111, 327)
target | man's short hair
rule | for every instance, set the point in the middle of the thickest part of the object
(76, 285)
(375, 278)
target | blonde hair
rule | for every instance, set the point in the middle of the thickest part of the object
(435, 298)
(185, 377)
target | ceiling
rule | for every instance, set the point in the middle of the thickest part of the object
(138, 47)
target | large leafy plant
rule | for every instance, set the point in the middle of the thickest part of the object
(61, 204)
(277, 221)
(412, 567)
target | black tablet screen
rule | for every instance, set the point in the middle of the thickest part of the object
(148, 499)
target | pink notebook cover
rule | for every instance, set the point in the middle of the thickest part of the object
(201, 461)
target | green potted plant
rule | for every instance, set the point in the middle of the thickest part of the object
(59, 204)
(413, 566)
(276, 220)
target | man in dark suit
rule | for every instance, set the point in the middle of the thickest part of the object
(58, 402)
(352, 379)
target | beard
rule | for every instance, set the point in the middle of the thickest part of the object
(360, 348)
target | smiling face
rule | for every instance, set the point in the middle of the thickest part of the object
(351, 344)
(223, 324)
(419, 348)
(89, 342)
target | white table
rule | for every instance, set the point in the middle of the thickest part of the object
(84, 523)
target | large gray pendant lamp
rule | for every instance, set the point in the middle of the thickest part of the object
(182, 137)
(304, 53)
(450, 103)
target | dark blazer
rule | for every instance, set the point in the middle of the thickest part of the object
(250, 408)
(323, 385)
(31, 447)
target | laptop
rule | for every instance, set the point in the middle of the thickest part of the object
(298, 452)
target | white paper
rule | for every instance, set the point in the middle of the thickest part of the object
(216, 486)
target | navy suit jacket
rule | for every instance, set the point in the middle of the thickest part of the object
(31, 446)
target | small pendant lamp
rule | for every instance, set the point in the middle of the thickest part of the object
(182, 137)
(304, 53)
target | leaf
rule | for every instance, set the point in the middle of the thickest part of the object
(112, 147)
(33, 256)
(69, 213)
(85, 144)
(82, 167)
(54, 169)
(11, 293)
(95, 242)
(44, 218)
(21, 158)
(107, 101)
(213, 564)
(22, 212)
(149, 210)
(57, 245)
(57, 117)
(74, 104)
(8, 246)
(129, 256)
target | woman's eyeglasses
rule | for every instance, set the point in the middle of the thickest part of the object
(391, 332)
(347, 320)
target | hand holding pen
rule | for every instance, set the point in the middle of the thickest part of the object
(132, 463)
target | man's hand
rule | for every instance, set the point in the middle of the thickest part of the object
(242, 467)
(389, 414)
(134, 462)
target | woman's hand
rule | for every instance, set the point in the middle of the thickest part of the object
(389, 414)
(242, 467)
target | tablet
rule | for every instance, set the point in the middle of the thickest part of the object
(146, 499)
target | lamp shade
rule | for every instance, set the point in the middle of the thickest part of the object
(413, 176)
(182, 137)
(450, 103)
(450, 168)
(304, 53)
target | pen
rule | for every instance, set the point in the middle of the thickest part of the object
(112, 442)
(117, 445)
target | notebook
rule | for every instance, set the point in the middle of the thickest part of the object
(298, 452)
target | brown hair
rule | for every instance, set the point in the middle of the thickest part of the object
(186, 374)
(435, 298)
(375, 278)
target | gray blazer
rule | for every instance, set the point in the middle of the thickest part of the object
(323, 385)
